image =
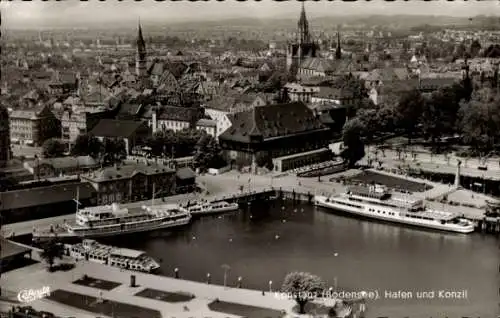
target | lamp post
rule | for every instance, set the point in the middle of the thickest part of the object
(270, 286)
(226, 269)
(335, 278)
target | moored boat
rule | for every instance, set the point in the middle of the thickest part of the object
(206, 208)
(111, 220)
(378, 203)
(126, 258)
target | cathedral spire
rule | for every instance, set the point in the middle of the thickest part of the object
(140, 59)
(338, 52)
(303, 26)
(141, 45)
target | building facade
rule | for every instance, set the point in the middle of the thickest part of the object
(79, 122)
(128, 183)
(32, 126)
(5, 150)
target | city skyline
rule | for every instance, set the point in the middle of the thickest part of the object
(69, 13)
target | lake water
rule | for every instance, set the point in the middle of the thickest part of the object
(265, 242)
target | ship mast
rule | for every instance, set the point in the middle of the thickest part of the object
(77, 199)
(153, 196)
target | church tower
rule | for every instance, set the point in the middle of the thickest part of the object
(338, 51)
(303, 47)
(140, 58)
(303, 27)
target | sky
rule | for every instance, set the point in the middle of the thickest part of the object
(69, 12)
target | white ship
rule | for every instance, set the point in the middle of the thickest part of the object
(125, 258)
(377, 203)
(206, 208)
(111, 220)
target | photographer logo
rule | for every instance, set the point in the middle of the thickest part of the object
(29, 295)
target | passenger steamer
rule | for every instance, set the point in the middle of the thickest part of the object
(207, 208)
(378, 203)
(111, 220)
(91, 250)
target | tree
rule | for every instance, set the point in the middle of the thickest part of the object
(208, 153)
(52, 250)
(351, 93)
(475, 47)
(440, 114)
(408, 111)
(114, 151)
(354, 146)
(264, 160)
(86, 145)
(480, 120)
(302, 287)
(52, 148)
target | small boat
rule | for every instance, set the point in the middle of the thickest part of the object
(201, 208)
(91, 250)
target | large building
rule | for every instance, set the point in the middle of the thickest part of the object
(272, 131)
(5, 150)
(32, 126)
(303, 47)
(132, 182)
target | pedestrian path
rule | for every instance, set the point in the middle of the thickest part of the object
(36, 276)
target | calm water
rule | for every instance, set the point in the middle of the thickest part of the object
(263, 243)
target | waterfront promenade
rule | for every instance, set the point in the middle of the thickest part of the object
(36, 276)
(437, 163)
(229, 184)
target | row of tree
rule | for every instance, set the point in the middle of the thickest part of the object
(108, 151)
(449, 111)
(188, 142)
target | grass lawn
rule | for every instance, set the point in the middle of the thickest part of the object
(105, 307)
(368, 177)
(96, 283)
(244, 310)
(169, 297)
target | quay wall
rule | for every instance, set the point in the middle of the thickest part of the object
(299, 194)
(484, 225)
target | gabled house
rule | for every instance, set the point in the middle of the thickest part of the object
(133, 133)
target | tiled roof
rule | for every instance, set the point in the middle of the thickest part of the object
(185, 173)
(130, 110)
(27, 113)
(325, 65)
(186, 114)
(206, 123)
(45, 195)
(271, 121)
(436, 83)
(329, 92)
(126, 171)
(116, 128)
